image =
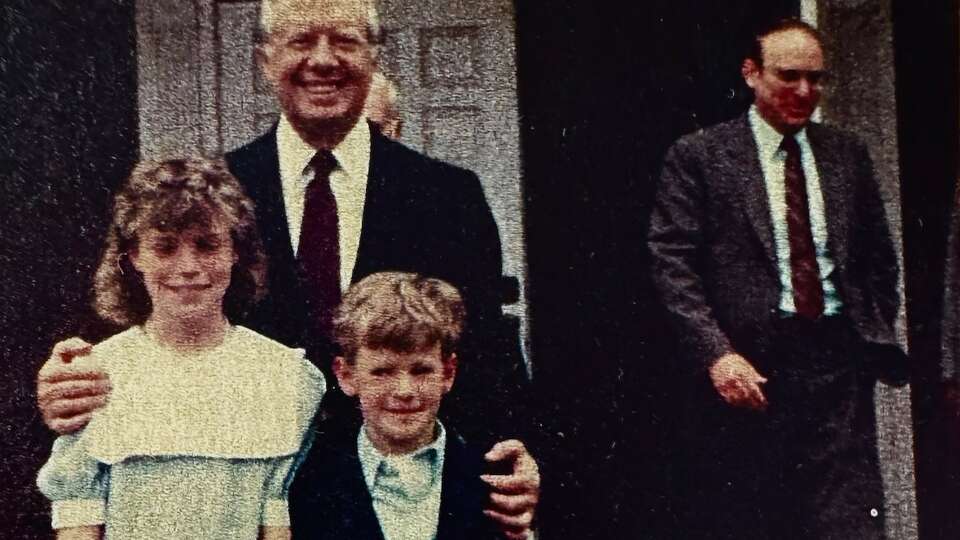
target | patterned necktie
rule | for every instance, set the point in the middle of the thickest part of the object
(319, 250)
(805, 273)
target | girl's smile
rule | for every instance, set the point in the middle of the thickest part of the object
(186, 273)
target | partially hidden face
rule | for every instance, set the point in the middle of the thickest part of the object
(186, 273)
(320, 61)
(787, 86)
(381, 108)
(399, 392)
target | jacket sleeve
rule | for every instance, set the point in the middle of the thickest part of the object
(676, 240)
(875, 259)
(874, 234)
(490, 399)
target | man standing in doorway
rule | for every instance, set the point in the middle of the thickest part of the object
(772, 255)
(337, 201)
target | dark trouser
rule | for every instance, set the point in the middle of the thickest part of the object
(807, 466)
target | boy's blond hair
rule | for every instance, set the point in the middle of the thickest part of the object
(399, 311)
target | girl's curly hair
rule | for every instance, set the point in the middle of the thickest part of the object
(172, 196)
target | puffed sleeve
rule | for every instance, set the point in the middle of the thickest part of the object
(275, 511)
(75, 483)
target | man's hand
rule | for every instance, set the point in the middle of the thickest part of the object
(86, 532)
(514, 497)
(68, 392)
(737, 382)
(269, 532)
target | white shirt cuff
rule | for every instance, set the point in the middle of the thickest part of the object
(78, 512)
(275, 513)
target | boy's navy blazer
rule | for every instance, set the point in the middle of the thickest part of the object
(329, 498)
(420, 215)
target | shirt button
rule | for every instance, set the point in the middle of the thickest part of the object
(874, 512)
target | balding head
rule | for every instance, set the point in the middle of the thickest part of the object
(786, 73)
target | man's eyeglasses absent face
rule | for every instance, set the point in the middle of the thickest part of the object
(320, 56)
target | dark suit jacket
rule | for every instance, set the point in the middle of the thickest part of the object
(329, 497)
(420, 215)
(712, 246)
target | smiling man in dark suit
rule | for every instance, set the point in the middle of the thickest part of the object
(772, 255)
(337, 201)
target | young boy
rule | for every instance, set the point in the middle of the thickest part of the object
(402, 475)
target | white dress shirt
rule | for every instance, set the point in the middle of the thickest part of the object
(348, 181)
(772, 161)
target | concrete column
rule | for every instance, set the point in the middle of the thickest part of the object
(861, 97)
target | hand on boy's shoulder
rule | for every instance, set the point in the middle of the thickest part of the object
(514, 496)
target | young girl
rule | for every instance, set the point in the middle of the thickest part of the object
(205, 420)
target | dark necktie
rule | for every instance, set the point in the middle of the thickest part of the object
(319, 249)
(805, 273)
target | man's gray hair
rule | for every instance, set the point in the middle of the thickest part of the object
(267, 16)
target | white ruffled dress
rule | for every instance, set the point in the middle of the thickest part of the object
(199, 445)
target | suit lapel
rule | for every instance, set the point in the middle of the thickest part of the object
(376, 208)
(359, 517)
(836, 190)
(743, 160)
(282, 314)
(257, 166)
(338, 504)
